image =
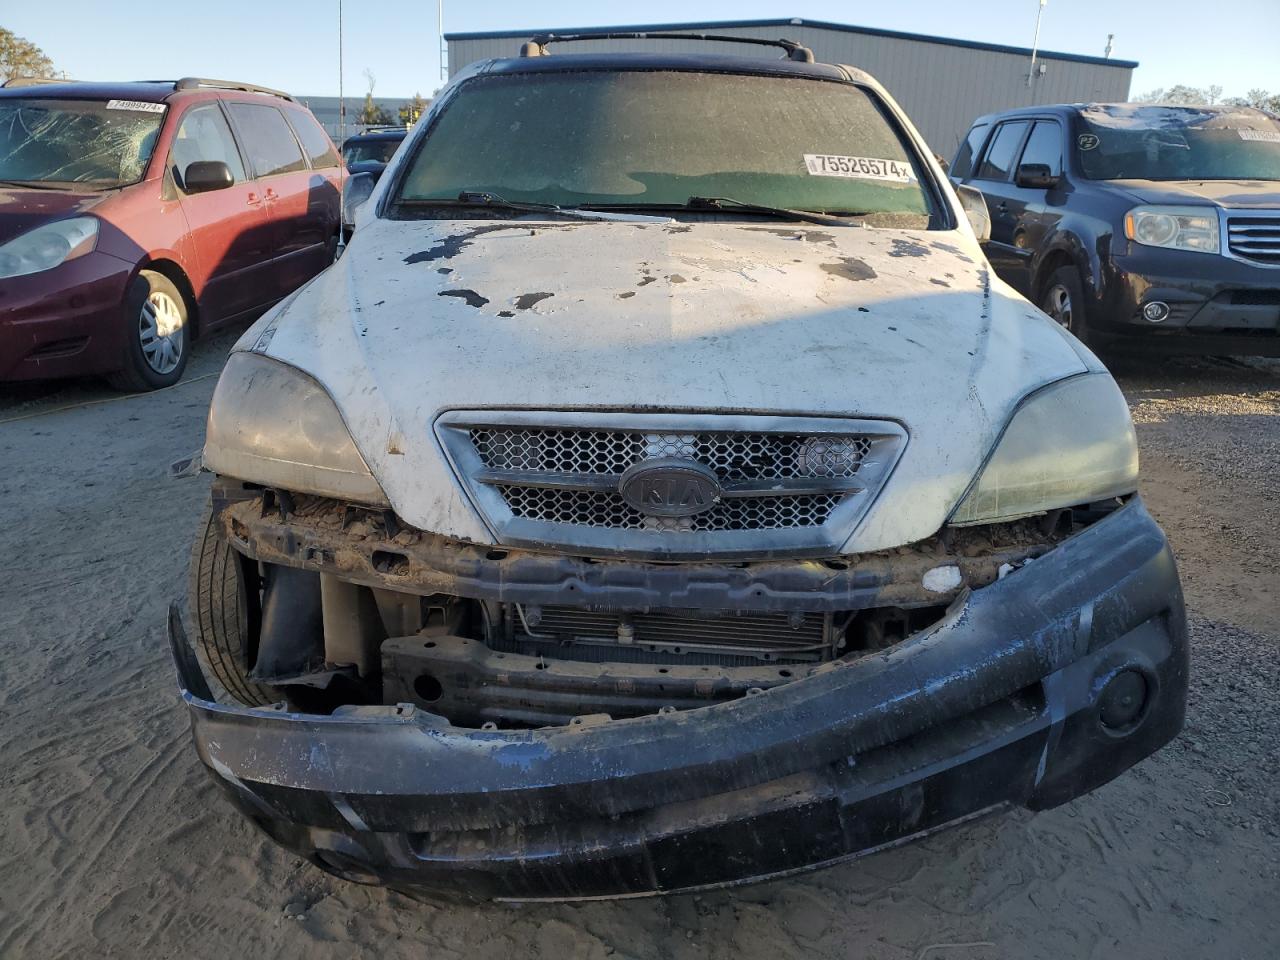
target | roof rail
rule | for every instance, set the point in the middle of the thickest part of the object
(195, 83)
(32, 81)
(537, 46)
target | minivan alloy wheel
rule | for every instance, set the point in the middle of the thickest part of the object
(161, 332)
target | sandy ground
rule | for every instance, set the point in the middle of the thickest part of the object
(114, 843)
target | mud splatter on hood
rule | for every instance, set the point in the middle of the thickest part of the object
(719, 317)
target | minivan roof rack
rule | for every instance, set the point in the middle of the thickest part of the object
(195, 83)
(537, 46)
(32, 81)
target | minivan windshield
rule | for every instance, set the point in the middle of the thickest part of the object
(1153, 142)
(656, 138)
(99, 143)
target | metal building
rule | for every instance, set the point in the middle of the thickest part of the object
(941, 83)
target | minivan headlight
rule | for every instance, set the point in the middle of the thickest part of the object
(1177, 228)
(270, 423)
(48, 246)
(1069, 443)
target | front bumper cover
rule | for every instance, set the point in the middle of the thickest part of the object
(996, 705)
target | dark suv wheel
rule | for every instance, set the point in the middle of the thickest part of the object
(1063, 300)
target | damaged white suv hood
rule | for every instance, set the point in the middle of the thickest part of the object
(423, 317)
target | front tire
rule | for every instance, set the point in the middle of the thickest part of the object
(157, 334)
(219, 603)
(1063, 300)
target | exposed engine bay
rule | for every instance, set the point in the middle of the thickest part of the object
(345, 606)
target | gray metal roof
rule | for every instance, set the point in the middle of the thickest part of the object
(797, 22)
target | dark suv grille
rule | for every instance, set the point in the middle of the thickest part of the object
(1255, 238)
(769, 484)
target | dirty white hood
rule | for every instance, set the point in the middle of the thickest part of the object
(422, 317)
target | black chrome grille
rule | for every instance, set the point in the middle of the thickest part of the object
(668, 485)
(607, 453)
(780, 637)
(736, 456)
(1255, 238)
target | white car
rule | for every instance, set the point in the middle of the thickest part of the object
(662, 493)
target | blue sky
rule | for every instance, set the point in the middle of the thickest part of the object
(292, 44)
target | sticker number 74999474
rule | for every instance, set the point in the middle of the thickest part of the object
(859, 168)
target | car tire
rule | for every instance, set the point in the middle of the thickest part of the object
(1063, 300)
(220, 615)
(157, 334)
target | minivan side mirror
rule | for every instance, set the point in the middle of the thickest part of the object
(205, 175)
(975, 208)
(355, 192)
(1036, 175)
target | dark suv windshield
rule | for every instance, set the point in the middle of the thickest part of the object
(645, 138)
(360, 151)
(104, 143)
(1124, 141)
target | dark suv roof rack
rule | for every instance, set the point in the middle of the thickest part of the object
(32, 81)
(537, 46)
(195, 83)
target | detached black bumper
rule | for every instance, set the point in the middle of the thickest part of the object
(1032, 691)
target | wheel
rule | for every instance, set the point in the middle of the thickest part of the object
(1063, 300)
(156, 334)
(219, 603)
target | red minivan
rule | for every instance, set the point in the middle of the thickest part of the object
(136, 216)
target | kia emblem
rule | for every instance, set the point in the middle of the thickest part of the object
(670, 487)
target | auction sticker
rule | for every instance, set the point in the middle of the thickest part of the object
(141, 105)
(1087, 141)
(1267, 136)
(859, 168)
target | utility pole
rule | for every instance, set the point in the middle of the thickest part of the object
(1035, 43)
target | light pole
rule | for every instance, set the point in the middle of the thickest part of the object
(1035, 43)
(444, 53)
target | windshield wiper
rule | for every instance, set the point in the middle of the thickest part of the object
(476, 198)
(782, 213)
(32, 185)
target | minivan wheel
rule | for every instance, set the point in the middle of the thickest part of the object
(1063, 300)
(219, 601)
(157, 336)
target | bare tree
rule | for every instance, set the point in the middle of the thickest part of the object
(21, 58)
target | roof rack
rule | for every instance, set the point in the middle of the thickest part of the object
(32, 81)
(195, 83)
(537, 46)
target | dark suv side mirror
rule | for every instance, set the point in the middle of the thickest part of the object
(1036, 175)
(205, 175)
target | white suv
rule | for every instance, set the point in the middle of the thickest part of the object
(662, 493)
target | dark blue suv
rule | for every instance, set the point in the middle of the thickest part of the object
(1137, 224)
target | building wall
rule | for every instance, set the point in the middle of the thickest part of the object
(326, 111)
(942, 87)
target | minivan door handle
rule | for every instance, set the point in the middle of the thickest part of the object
(253, 199)
(272, 196)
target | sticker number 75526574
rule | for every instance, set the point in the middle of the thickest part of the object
(859, 168)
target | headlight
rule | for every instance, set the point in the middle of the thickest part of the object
(1068, 443)
(270, 423)
(1178, 228)
(47, 246)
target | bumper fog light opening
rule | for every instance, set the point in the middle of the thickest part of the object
(1124, 701)
(1157, 311)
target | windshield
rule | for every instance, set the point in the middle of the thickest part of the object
(96, 142)
(646, 138)
(365, 150)
(1135, 142)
